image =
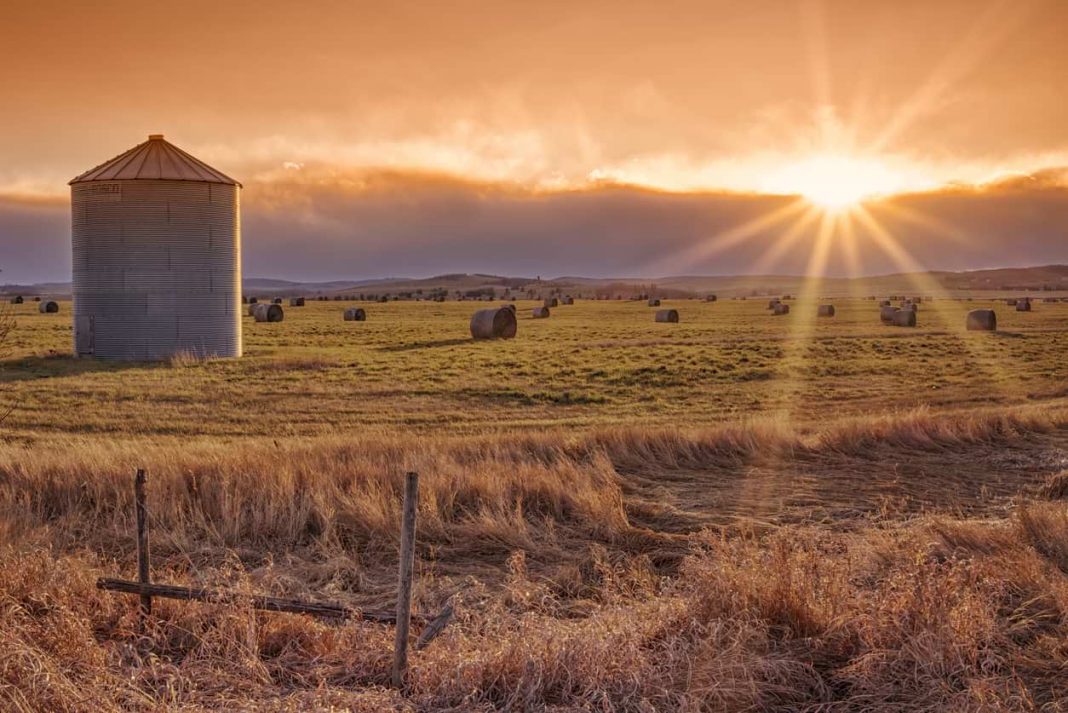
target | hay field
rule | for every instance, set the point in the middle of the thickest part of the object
(737, 512)
(413, 366)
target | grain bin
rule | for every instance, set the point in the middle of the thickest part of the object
(48, 307)
(268, 313)
(667, 315)
(156, 241)
(355, 314)
(825, 311)
(904, 318)
(495, 323)
(981, 320)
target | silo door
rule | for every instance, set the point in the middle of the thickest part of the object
(84, 336)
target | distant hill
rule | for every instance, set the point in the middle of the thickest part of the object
(1001, 280)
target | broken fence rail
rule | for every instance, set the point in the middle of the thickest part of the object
(433, 626)
(256, 601)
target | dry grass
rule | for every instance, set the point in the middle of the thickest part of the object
(797, 620)
(565, 602)
(1056, 488)
(811, 557)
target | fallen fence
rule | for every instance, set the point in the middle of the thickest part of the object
(402, 617)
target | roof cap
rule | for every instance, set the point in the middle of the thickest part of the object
(155, 160)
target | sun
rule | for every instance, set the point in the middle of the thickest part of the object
(835, 183)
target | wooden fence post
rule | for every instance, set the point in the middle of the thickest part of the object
(404, 588)
(142, 541)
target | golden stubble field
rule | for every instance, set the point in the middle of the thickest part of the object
(737, 512)
(413, 366)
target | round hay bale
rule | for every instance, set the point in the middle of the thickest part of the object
(885, 303)
(355, 314)
(772, 303)
(552, 302)
(252, 310)
(253, 300)
(296, 301)
(781, 309)
(912, 306)
(1023, 306)
(653, 302)
(48, 307)
(494, 323)
(886, 314)
(540, 313)
(569, 300)
(268, 313)
(511, 306)
(667, 315)
(17, 300)
(825, 311)
(904, 318)
(277, 301)
(1010, 302)
(36, 299)
(710, 298)
(1049, 300)
(981, 320)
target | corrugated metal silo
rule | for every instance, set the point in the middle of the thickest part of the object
(156, 237)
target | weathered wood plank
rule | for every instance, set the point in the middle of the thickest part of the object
(404, 577)
(256, 601)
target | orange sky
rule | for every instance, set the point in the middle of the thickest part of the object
(304, 101)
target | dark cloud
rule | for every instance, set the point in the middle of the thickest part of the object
(34, 240)
(382, 224)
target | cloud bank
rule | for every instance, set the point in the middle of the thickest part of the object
(316, 224)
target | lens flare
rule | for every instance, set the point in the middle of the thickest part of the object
(836, 183)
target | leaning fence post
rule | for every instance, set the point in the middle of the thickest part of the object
(142, 540)
(404, 588)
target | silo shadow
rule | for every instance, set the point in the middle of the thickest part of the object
(49, 366)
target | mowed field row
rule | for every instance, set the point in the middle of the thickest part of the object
(414, 365)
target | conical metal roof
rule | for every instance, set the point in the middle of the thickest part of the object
(155, 159)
